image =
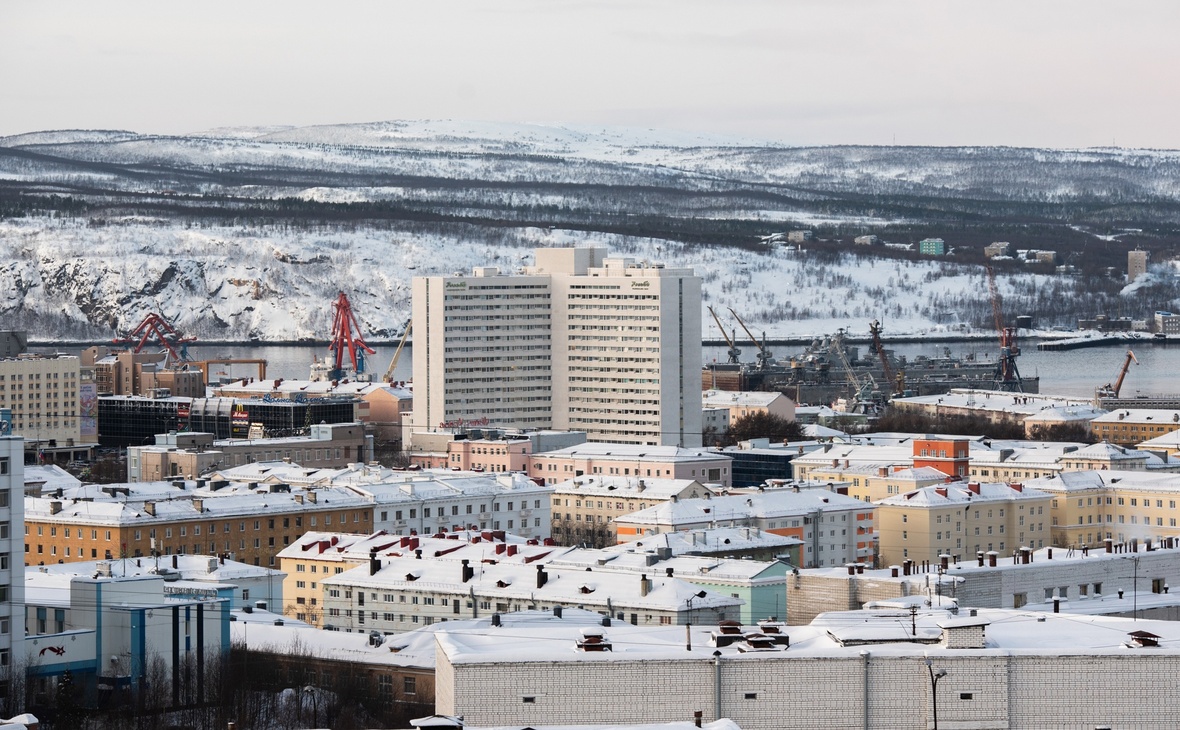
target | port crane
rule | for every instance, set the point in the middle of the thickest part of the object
(346, 337)
(1112, 391)
(764, 356)
(154, 325)
(398, 352)
(895, 381)
(862, 391)
(734, 352)
(1007, 376)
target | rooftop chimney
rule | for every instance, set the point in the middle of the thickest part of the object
(644, 586)
(468, 571)
(542, 579)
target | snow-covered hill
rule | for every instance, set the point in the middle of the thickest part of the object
(247, 234)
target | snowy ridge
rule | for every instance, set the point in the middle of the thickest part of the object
(241, 234)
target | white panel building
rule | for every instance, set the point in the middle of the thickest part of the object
(580, 341)
(12, 567)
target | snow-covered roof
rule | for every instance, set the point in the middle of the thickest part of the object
(1104, 451)
(347, 547)
(769, 504)
(740, 399)
(1141, 416)
(1090, 479)
(835, 634)
(996, 401)
(49, 477)
(202, 568)
(359, 388)
(619, 486)
(631, 453)
(500, 577)
(959, 492)
(215, 505)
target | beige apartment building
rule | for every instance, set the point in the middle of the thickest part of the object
(962, 519)
(578, 342)
(1128, 426)
(45, 394)
(628, 460)
(248, 525)
(870, 483)
(585, 508)
(1091, 506)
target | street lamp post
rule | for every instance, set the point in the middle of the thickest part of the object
(688, 621)
(934, 677)
(315, 704)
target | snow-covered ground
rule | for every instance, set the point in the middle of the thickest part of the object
(276, 283)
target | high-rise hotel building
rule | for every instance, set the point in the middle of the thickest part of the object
(579, 341)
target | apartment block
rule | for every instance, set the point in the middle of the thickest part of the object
(250, 524)
(190, 454)
(962, 519)
(1137, 264)
(629, 460)
(835, 529)
(1129, 426)
(45, 394)
(578, 342)
(585, 508)
(401, 589)
(421, 502)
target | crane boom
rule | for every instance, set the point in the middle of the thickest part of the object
(875, 331)
(398, 352)
(734, 353)
(764, 355)
(1112, 391)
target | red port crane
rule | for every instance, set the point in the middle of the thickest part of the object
(344, 325)
(156, 326)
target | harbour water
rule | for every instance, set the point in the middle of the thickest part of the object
(1072, 372)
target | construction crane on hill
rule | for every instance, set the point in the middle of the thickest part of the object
(344, 325)
(1007, 376)
(164, 333)
(733, 352)
(1112, 391)
(764, 356)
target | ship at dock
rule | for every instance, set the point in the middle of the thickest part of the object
(831, 371)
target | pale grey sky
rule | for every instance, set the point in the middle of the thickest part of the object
(1054, 73)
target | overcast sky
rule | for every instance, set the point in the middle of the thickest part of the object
(1068, 73)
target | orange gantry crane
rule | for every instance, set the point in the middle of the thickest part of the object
(164, 333)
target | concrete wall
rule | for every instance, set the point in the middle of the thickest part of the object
(982, 690)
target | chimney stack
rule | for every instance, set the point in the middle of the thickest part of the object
(542, 579)
(468, 571)
(374, 563)
(644, 587)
